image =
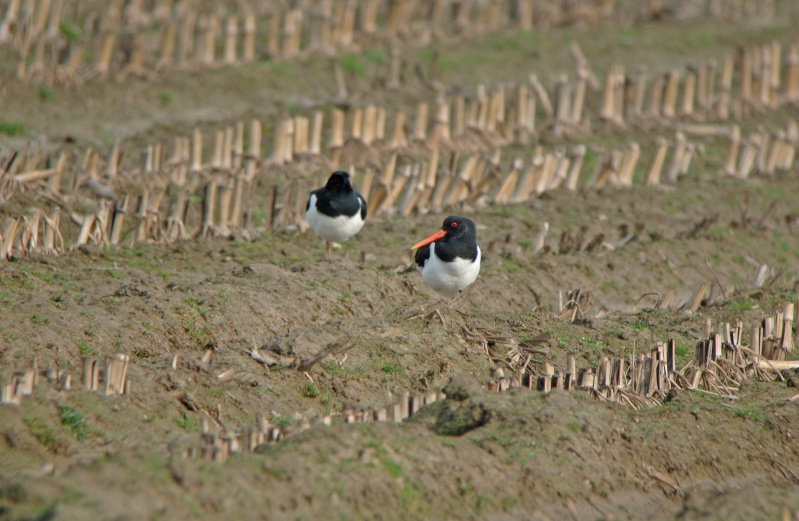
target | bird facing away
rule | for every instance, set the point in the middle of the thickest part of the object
(449, 260)
(336, 211)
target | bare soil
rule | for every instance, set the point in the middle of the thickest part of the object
(475, 455)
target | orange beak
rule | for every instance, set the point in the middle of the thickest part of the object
(440, 234)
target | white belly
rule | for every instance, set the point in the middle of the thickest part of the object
(449, 278)
(335, 229)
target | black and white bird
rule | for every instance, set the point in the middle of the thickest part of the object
(449, 260)
(336, 212)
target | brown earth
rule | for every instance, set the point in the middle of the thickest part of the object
(475, 455)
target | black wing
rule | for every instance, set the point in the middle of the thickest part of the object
(337, 204)
(422, 254)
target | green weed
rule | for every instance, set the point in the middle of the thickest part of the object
(510, 264)
(72, 420)
(202, 334)
(590, 343)
(282, 420)
(46, 93)
(377, 56)
(117, 274)
(351, 62)
(84, 348)
(39, 320)
(217, 393)
(741, 305)
(683, 354)
(334, 369)
(508, 502)
(259, 216)
(187, 422)
(310, 390)
(164, 96)
(608, 285)
(41, 431)
(750, 414)
(13, 128)
(69, 31)
(391, 368)
(390, 466)
(640, 325)
(46, 513)
(198, 307)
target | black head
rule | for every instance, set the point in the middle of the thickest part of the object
(456, 227)
(339, 181)
(456, 238)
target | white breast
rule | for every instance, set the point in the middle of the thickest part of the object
(449, 278)
(336, 229)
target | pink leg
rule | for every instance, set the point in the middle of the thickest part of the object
(327, 245)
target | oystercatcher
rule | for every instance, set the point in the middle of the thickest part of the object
(336, 211)
(449, 260)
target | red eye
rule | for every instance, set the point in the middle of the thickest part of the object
(453, 224)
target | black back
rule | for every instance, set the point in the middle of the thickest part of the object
(338, 197)
(460, 241)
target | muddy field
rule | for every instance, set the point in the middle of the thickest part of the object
(189, 315)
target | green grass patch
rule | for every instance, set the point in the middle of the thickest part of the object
(377, 56)
(45, 434)
(740, 305)
(72, 420)
(682, 355)
(187, 422)
(202, 333)
(198, 307)
(117, 274)
(217, 393)
(309, 390)
(39, 320)
(259, 216)
(46, 94)
(13, 128)
(608, 285)
(282, 420)
(639, 325)
(510, 265)
(750, 414)
(85, 348)
(391, 368)
(333, 369)
(352, 63)
(69, 31)
(164, 97)
(592, 344)
(389, 465)
(508, 502)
